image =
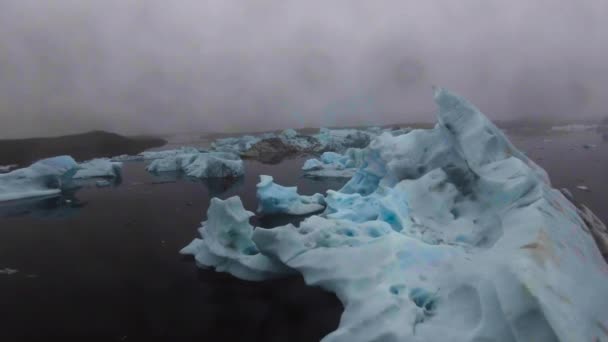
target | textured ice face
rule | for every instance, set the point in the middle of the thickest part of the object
(43, 178)
(101, 167)
(226, 244)
(200, 164)
(332, 164)
(274, 199)
(450, 234)
(334, 140)
(7, 168)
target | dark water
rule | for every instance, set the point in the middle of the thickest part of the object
(569, 164)
(106, 264)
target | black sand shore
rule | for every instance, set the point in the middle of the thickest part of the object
(84, 146)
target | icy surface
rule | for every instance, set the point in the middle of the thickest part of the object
(43, 178)
(101, 167)
(200, 165)
(274, 199)
(443, 234)
(226, 244)
(335, 165)
(335, 140)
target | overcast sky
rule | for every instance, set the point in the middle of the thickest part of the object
(151, 66)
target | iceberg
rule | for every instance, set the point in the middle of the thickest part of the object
(101, 167)
(45, 177)
(272, 147)
(226, 244)
(277, 199)
(449, 231)
(200, 164)
(332, 164)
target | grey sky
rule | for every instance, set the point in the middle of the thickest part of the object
(151, 66)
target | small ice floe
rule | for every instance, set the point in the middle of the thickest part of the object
(588, 146)
(8, 271)
(582, 187)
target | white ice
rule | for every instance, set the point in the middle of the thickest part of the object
(277, 199)
(226, 245)
(43, 178)
(449, 233)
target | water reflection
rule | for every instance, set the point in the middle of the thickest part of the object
(63, 206)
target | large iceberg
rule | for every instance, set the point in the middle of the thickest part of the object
(43, 178)
(200, 164)
(277, 199)
(447, 233)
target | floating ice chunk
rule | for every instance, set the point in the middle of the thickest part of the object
(274, 199)
(338, 140)
(200, 165)
(330, 157)
(226, 244)
(335, 165)
(238, 145)
(583, 187)
(290, 141)
(174, 162)
(99, 168)
(215, 165)
(45, 177)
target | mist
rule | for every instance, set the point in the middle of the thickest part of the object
(151, 66)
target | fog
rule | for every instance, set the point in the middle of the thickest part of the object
(151, 66)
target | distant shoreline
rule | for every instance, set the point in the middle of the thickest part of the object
(95, 144)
